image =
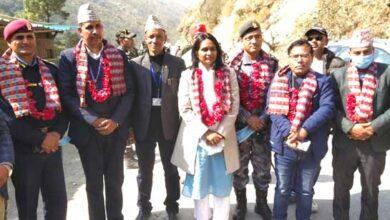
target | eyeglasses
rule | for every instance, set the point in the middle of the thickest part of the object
(317, 38)
(22, 37)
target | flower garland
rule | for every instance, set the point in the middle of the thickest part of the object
(359, 102)
(208, 118)
(351, 106)
(293, 102)
(102, 95)
(46, 114)
(252, 100)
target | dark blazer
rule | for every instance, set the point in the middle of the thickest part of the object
(316, 124)
(172, 68)
(81, 119)
(6, 148)
(381, 120)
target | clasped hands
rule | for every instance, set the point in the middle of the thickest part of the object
(104, 126)
(361, 131)
(296, 137)
(50, 142)
(255, 123)
(212, 138)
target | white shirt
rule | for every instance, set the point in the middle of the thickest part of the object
(210, 98)
(94, 56)
(209, 95)
(318, 66)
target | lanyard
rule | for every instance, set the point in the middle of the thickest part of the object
(154, 77)
(98, 71)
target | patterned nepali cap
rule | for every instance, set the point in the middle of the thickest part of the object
(361, 38)
(16, 26)
(153, 23)
(87, 14)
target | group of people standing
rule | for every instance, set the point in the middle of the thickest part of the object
(209, 119)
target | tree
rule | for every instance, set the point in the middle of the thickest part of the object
(43, 10)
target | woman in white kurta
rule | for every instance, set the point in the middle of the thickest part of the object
(206, 147)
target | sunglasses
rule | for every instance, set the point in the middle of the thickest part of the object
(317, 38)
(22, 37)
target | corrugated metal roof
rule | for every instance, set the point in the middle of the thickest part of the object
(51, 26)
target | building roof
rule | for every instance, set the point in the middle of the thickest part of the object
(39, 26)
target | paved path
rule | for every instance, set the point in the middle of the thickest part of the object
(77, 203)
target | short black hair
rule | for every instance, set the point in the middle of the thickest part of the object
(195, 48)
(300, 42)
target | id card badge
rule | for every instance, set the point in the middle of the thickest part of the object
(156, 102)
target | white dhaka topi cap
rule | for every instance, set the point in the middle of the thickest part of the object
(87, 13)
(153, 23)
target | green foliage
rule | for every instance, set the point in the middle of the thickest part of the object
(65, 40)
(9, 7)
(43, 10)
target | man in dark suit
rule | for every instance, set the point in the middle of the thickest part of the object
(6, 161)
(362, 134)
(30, 97)
(97, 92)
(156, 117)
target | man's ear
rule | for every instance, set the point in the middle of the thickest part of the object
(79, 30)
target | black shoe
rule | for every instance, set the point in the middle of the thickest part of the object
(143, 215)
(240, 212)
(261, 206)
(172, 216)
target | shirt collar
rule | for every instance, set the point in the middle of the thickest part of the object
(24, 63)
(95, 56)
(247, 61)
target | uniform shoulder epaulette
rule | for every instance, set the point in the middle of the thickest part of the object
(50, 63)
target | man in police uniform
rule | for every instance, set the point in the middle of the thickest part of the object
(255, 70)
(125, 40)
(30, 97)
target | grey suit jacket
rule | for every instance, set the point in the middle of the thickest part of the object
(172, 68)
(381, 120)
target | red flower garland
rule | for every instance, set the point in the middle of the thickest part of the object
(102, 95)
(46, 114)
(252, 100)
(208, 118)
(351, 106)
(293, 102)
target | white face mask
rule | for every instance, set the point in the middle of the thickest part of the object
(362, 62)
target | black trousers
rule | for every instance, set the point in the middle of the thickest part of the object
(145, 150)
(40, 172)
(102, 160)
(347, 158)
